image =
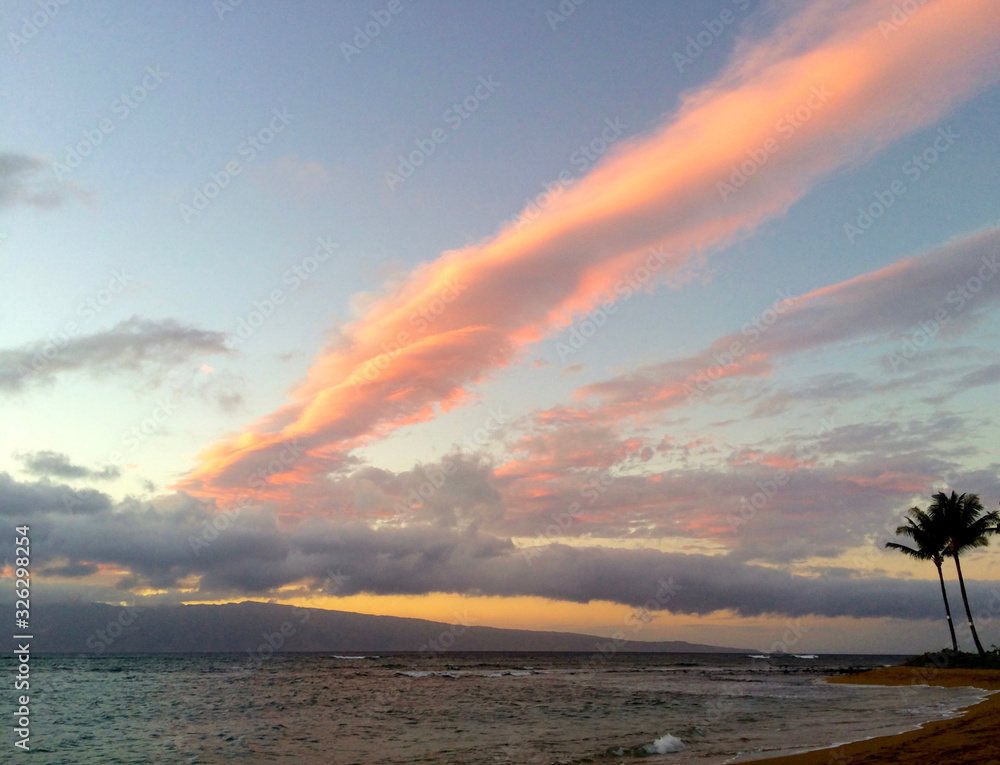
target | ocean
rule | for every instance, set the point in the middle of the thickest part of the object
(459, 709)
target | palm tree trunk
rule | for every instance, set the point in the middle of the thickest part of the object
(947, 609)
(965, 599)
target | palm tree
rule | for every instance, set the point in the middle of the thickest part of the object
(929, 543)
(965, 527)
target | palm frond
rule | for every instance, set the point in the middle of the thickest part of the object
(912, 552)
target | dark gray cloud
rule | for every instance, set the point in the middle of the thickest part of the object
(23, 501)
(455, 492)
(58, 465)
(132, 346)
(27, 180)
(72, 571)
(253, 555)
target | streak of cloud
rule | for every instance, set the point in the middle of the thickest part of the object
(824, 90)
(943, 291)
(131, 346)
(25, 180)
(57, 465)
(149, 545)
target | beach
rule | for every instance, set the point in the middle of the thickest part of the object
(970, 739)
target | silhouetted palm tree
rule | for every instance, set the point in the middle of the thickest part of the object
(929, 542)
(965, 527)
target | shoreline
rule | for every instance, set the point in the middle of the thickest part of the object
(970, 738)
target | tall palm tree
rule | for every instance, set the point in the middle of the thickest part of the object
(965, 527)
(929, 542)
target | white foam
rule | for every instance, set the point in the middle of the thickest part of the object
(414, 673)
(664, 745)
(510, 673)
(805, 656)
(760, 656)
(350, 657)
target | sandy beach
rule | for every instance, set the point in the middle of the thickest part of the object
(972, 738)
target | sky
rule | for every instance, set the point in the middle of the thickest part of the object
(649, 319)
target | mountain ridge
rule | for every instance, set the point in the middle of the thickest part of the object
(99, 628)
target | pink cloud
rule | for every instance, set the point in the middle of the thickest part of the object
(825, 90)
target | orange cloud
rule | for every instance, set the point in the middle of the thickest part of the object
(826, 89)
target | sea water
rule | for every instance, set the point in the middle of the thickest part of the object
(460, 709)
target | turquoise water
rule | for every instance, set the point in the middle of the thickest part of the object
(458, 708)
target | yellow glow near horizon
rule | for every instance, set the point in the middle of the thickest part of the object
(529, 613)
(690, 545)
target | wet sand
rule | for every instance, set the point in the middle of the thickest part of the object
(972, 739)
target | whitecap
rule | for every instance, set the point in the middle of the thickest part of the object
(805, 656)
(664, 745)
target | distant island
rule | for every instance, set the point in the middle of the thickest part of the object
(97, 628)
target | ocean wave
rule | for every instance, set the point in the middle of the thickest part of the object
(664, 745)
(511, 673)
(805, 656)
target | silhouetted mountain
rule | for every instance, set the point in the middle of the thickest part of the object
(97, 628)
